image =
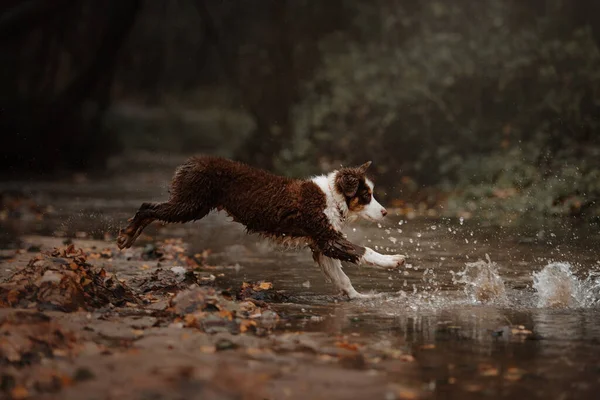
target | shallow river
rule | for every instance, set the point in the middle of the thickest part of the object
(484, 306)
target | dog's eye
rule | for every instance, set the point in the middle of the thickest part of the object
(366, 196)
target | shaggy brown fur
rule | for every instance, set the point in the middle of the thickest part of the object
(272, 205)
(351, 183)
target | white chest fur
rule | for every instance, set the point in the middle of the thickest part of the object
(335, 208)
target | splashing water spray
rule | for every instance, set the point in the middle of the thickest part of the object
(558, 287)
(482, 282)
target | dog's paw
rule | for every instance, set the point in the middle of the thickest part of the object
(397, 260)
(362, 296)
(391, 261)
(375, 259)
(124, 240)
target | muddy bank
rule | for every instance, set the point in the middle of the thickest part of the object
(172, 333)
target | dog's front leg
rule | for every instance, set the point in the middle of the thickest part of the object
(332, 269)
(372, 257)
(342, 249)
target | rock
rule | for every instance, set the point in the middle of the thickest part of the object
(195, 299)
(83, 374)
(164, 281)
(261, 291)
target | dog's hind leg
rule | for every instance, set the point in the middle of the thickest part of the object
(332, 269)
(149, 212)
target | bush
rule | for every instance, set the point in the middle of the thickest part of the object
(458, 96)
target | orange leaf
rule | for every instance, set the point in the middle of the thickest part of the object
(265, 286)
(19, 392)
(190, 320)
(13, 297)
(226, 314)
(347, 346)
(246, 324)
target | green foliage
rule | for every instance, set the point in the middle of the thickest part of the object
(458, 95)
(508, 183)
(172, 127)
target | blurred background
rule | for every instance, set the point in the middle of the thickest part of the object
(487, 108)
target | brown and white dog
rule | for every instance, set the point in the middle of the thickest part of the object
(308, 212)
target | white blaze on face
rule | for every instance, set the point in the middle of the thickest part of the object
(373, 210)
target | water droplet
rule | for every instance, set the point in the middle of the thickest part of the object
(558, 287)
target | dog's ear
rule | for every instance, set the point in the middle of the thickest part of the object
(363, 168)
(347, 183)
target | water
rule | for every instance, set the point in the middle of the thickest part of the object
(558, 287)
(482, 282)
(458, 306)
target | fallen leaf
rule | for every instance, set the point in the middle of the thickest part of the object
(59, 353)
(488, 370)
(226, 314)
(265, 286)
(407, 394)
(347, 346)
(246, 324)
(208, 349)
(19, 392)
(514, 374)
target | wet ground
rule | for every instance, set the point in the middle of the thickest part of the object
(478, 311)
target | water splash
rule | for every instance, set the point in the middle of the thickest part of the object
(558, 287)
(482, 282)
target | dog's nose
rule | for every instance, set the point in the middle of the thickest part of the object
(383, 212)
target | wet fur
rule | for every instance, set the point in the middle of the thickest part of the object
(289, 211)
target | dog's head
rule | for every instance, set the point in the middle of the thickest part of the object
(357, 190)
